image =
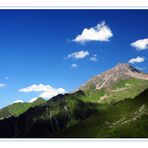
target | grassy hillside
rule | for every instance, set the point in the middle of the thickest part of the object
(17, 109)
(129, 88)
(127, 118)
(118, 91)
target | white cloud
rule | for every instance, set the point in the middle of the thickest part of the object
(2, 85)
(74, 65)
(46, 90)
(17, 101)
(140, 44)
(78, 55)
(33, 99)
(51, 93)
(101, 32)
(94, 58)
(36, 88)
(136, 60)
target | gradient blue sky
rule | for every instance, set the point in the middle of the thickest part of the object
(34, 45)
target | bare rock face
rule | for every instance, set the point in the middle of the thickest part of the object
(108, 78)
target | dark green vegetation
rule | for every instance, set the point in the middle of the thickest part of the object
(59, 113)
(113, 104)
(125, 119)
(17, 109)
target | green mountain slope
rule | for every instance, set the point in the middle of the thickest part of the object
(56, 114)
(127, 118)
(118, 91)
(17, 109)
(129, 88)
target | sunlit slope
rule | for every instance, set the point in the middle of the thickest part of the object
(127, 118)
(122, 81)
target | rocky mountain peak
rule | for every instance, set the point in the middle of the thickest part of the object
(125, 66)
(119, 72)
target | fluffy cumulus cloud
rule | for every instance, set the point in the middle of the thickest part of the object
(140, 44)
(101, 32)
(36, 88)
(74, 65)
(52, 92)
(46, 91)
(2, 85)
(78, 55)
(94, 58)
(136, 60)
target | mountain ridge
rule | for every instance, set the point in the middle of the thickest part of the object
(119, 72)
(18, 108)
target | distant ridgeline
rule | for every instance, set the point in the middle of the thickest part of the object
(112, 104)
(17, 109)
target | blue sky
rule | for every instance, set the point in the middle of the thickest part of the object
(43, 51)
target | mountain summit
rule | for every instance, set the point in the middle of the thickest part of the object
(112, 76)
